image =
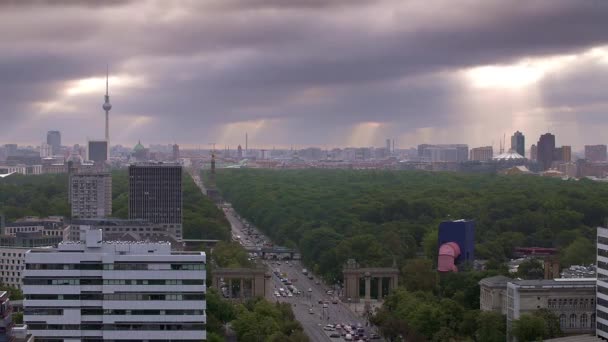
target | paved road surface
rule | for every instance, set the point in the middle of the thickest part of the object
(312, 323)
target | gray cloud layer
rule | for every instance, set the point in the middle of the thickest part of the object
(305, 71)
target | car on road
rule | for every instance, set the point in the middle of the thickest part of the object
(310, 311)
(328, 328)
(348, 337)
(309, 289)
(373, 336)
(317, 282)
(289, 294)
(320, 301)
(310, 276)
(334, 335)
(334, 301)
(330, 292)
(325, 306)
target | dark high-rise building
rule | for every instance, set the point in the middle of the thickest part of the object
(175, 155)
(518, 143)
(533, 152)
(595, 153)
(388, 146)
(98, 151)
(545, 150)
(53, 138)
(155, 194)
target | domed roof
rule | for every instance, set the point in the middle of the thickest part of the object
(75, 158)
(511, 155)
(139, 147)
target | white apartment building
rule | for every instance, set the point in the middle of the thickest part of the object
(115, 291)
(12, 264)
(91, 194)
(602, 284)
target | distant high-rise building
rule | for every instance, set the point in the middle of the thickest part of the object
(155, 194)
(91, 194)
(546, 147)
(533, 152)
(98, 151)
(45, 150)
(562, 154)
(388, 146)
(444, 152)
(484, 153)
(518, 143)
(595, 153)
(175, 155)
(240, 152)
(53, 138)
(115, 291)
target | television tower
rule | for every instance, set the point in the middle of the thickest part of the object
(107, 106)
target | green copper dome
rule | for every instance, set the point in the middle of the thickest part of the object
(138, 147)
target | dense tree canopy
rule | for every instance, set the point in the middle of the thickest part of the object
(41, 195)
(373, 216)
(44, 195)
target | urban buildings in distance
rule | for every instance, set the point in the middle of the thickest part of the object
(444, 152)
(155, 194)
(53, 139)
(595, 153)
(518, 143)
(484, 153)
(109, 291)
(97, 151)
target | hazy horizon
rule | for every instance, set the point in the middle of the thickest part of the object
(305, 72)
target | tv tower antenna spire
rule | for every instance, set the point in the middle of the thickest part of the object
(106, 107)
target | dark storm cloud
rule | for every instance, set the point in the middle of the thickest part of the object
(315, 62)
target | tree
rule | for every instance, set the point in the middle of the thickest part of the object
(491, 327)
(531, 269)
(552, 327)
(529, 328)
(580, 252)
(18, 317)
(13, 292)
(419, 275)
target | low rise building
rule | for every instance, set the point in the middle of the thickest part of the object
(493, 294)
(123, 230)
(573, 301)
(50, 226)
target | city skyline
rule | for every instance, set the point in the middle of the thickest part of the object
(329, 73)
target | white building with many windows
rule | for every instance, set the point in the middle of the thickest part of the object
(602, 283)
(115, 291)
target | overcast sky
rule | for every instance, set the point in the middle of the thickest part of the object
(305, 72)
